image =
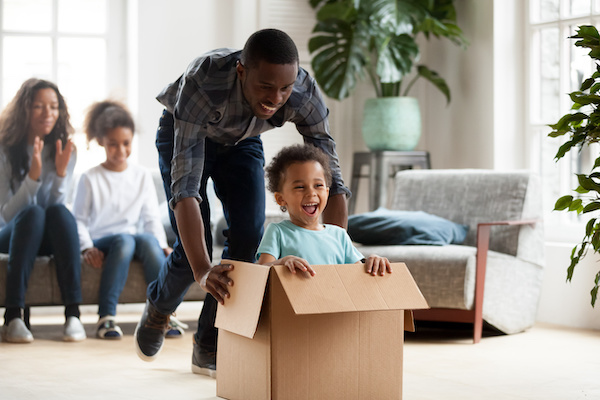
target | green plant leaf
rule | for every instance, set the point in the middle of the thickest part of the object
(588, 183)
(587, 84)
(575, 205)
(581, 190)
(563, 203)
(584, 99)
(589, 227)
(377, 38)
(593, 206)
(339, 58)
(564, 124)
(435, 79)
(396, 56)
(595, 88)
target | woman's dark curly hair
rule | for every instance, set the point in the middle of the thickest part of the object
(104, 116)
(297, 153)
(14, 126)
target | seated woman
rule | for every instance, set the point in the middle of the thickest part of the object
(37, 159)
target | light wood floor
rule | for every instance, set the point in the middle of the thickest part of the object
(546, 362)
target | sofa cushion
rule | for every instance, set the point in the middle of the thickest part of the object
(390, 227)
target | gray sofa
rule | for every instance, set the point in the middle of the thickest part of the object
(43, 287)
(496, 274)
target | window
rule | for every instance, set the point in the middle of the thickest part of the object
(76, 44)
(557, 67)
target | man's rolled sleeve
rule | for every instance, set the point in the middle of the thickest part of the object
(187, 163)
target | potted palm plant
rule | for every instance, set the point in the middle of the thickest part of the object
(582, 126)
(377, 38)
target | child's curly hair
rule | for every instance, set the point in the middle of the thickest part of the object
(295, 154)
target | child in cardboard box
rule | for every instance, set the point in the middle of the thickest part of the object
(117, 214)
(299, 177)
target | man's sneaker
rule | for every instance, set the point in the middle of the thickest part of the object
(108, 329)
(176, 328)
(74, 331)
(149, 333)
(16, 332)
(203, 362)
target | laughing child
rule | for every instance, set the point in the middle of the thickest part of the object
(299, 177)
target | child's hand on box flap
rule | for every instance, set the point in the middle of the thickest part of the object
(377, 265)
(294, 263)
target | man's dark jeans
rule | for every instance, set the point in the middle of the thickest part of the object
(238, 176)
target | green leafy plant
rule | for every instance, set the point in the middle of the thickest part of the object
(377, 37)
(583, 127)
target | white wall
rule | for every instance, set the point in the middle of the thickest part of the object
(166, 37)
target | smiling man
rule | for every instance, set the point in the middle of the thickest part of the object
(214, 114)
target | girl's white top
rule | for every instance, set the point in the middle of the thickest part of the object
(108, 202)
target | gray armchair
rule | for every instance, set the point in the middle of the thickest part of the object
(496, 274)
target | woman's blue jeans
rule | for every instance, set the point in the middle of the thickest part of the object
(119, 250)
(238, 175)
(36, 231)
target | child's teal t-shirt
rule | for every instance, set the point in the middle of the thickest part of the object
(331, 245)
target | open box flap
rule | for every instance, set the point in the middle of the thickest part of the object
(241, 311)
(347, 287)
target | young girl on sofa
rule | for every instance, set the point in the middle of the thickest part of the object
(37, 159)
(117, 214)
(299, 177)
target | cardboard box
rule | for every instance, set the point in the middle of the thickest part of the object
(337, 335)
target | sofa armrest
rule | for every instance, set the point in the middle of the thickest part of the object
(483, 243)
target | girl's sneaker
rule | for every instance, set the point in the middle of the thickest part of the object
(108, 329)
(176, 328)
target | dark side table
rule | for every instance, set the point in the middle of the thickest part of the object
(382, 165)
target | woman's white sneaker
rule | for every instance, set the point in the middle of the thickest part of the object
(16, 332)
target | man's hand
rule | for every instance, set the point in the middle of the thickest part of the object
(216, 281)
(336, 211)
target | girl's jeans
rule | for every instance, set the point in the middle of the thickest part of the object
(119, 250)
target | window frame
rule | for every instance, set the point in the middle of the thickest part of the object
(116, 67)
(560, 226)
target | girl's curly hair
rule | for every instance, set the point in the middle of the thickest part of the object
(295, 154)
(104, 116)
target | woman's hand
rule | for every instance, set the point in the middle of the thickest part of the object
(167, 251)
(35, 169)
(94, 257)
(378, 265)
(61, 160)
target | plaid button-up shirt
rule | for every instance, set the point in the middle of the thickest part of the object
(207, 101)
